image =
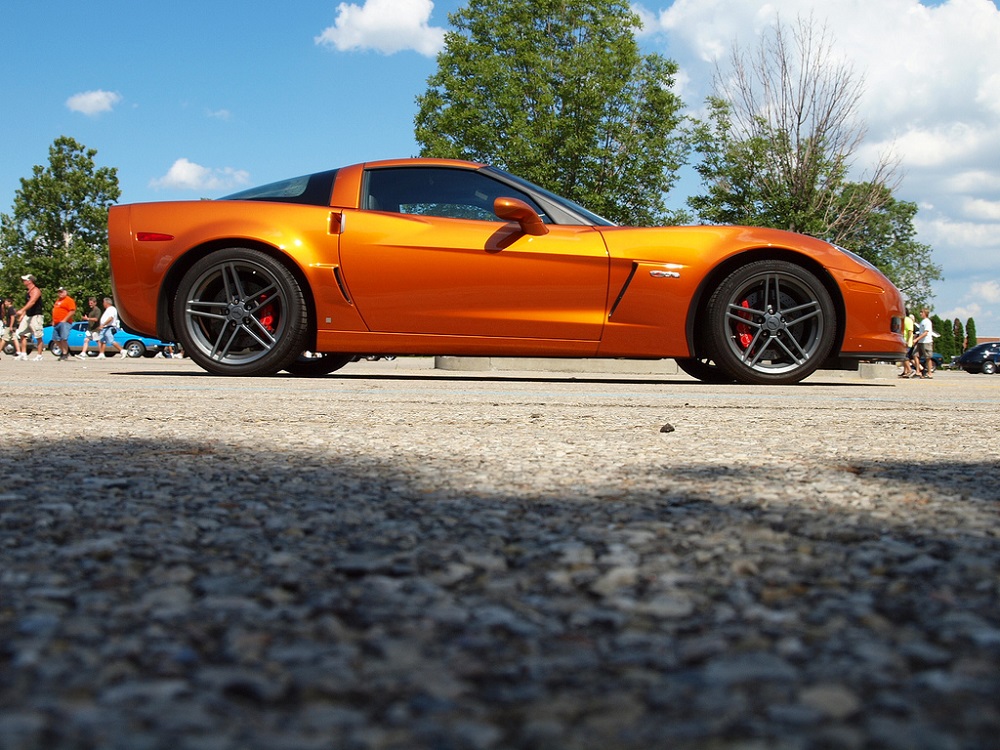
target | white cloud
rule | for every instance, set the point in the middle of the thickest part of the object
(387, 26)
(989, 291)
(973, 181)
(93, 102)
(984, 210)
(186, 175)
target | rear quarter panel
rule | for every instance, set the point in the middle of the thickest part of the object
(143, 271)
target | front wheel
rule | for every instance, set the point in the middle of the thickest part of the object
(770, 322)
(239, 311)
(311, 364)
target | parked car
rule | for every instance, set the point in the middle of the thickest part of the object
(984, 358)
(435, 256)
(133, 344)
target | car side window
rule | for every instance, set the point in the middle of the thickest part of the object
(437, 191)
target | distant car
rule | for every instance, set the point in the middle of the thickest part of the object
(984, 358)
(133, 344)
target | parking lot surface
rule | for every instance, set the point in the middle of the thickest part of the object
(394, 556)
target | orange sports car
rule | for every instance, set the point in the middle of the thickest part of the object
(433, 256)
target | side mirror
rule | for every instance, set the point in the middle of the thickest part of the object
(512, 209)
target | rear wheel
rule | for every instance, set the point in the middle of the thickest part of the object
(240, 312)
(989, 367)
(770, 322)
(310, 364)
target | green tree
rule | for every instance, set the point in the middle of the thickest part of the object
(970, 333)
(57, 229)
(958, 331)
(557, 92)
(778, 146)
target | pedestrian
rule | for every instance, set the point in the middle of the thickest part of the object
(109, 327)
(8, 323)
(63, 312)
(925, 344)
(93, 326)
(31, 320)
(908, 340)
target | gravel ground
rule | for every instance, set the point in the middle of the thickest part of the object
(395, 557)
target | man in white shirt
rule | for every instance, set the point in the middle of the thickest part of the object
(925, 343)
(108, 327)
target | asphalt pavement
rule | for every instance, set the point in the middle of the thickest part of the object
(396, 556)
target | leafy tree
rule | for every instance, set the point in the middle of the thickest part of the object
(777, 148)
(57, 229)
(557, 92)
(970, 333)
(958, 331)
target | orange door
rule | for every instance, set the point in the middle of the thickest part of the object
(433, 275)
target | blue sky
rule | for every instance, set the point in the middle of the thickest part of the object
(192, 100)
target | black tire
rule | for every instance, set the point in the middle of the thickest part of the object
(989, 367)
(310, 365)
(770, 322)
(239, 311)
(55, 348)
(705, 370)
(134, 349)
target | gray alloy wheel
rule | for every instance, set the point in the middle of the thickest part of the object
(239, 311)
(989, 367)
(770, 322)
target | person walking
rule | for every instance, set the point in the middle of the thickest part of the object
(925, 344)
(8, 323)
(908, 340)
(109, 327)
(63, 312)
(93, 326)
(31, 320)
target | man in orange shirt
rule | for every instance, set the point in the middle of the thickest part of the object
(63, 312)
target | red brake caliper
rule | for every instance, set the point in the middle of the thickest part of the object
(267, 317)
(742, 329)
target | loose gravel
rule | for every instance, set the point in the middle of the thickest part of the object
(394, 557)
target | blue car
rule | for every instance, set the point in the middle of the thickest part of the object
(133, 344)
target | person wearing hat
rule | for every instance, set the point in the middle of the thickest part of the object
(31, 319)
(63, 312)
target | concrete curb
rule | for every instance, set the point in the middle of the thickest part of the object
(865, 371)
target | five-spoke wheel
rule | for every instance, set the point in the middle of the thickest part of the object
(770, 322)
(240, 312)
